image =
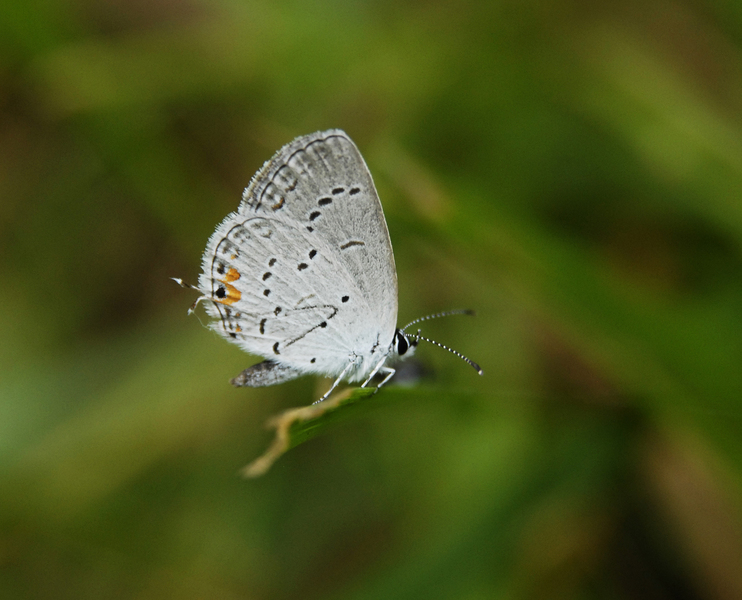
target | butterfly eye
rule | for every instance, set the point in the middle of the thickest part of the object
(402, 344)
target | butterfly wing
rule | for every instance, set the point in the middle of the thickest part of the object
(303, 273)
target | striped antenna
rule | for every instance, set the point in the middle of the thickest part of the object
(448, 313)
(417, 336)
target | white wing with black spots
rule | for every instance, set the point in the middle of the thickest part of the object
(303, 272)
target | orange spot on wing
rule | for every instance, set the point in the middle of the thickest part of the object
(232, 275)
(233, 294)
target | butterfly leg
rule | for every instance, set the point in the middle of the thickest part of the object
(374, 371)
(389, 374)
(380, 368)
(334, 385)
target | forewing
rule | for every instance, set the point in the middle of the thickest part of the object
(321, 183)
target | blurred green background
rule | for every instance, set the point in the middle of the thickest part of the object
(571, 170)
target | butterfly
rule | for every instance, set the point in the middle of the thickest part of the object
(303, 272)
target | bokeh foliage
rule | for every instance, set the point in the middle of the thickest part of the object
(571, 170)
